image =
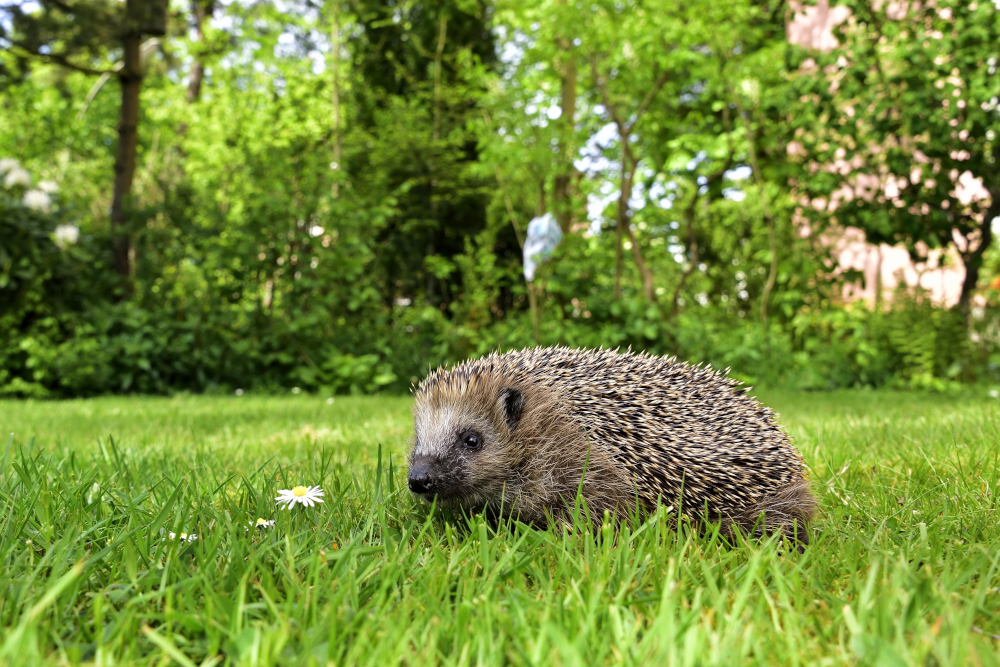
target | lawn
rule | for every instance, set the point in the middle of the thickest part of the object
(902, 569)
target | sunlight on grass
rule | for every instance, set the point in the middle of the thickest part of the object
(903, 568)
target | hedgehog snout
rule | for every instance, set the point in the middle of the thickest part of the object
(422, 475)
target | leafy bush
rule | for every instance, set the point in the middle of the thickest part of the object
(205, 326)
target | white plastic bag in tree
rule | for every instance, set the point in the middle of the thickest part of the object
(543, 237)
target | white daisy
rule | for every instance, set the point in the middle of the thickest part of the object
(183, 537)
(262, 523)
(303, 495)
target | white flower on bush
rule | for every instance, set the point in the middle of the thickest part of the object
(37, 200)
(51, 187)
(66, 235)
(8, 163)
(17, 176)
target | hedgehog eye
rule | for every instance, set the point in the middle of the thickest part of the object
(471, 440)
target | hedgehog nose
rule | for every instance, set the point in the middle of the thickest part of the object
(421, 480)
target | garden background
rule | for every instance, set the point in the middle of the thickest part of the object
(334, 195)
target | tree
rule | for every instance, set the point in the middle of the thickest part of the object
(421, 67)
(201, 13)
(565, 65)
(78, 36)
(900, 127)
(661, 79)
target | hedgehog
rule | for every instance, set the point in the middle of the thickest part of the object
(521, 433)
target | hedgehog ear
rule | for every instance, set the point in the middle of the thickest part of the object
(511, 403)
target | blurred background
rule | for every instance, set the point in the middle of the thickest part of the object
(333, 196)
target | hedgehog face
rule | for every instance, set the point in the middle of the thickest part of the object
(461, 455)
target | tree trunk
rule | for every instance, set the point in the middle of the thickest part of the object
(438, 56)
(202, 11)
(772, 273)
(335, 71)
(532, 298)
(675, 301)
(878, 281)
(628, 174)
(973, 259)
(130, 78)
(618, 260)
(435, 140)
(562, 188)
(629, 163)
(621, 220)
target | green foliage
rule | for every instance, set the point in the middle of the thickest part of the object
(902, 567)
(274, 247)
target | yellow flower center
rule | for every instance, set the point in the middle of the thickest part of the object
(261, 522)
(299, 491)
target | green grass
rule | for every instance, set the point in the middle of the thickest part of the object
(903, 568)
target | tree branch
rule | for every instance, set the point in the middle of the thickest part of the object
(64, 7)
(660, 82)
(61, 60)
(602, 85)
(689, 218)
